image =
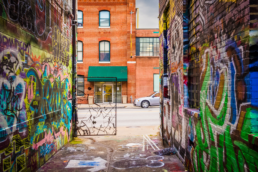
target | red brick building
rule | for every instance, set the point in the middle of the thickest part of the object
(109, 45)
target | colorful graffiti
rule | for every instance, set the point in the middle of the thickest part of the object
(35, 82)
(222, 135)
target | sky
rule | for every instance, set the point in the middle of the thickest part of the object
(149, 11)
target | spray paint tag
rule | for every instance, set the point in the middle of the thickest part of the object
(97, 164)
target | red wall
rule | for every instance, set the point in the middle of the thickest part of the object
(121, 53)
(118, 34)
(144, 78)
(145, 67)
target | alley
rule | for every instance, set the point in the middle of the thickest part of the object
(130, 150)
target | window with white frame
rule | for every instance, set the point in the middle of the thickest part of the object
(104, 51)
(80, 85)
(156, 82)
(80, 18)
(147, 46)
(104, 19)
(79, 51)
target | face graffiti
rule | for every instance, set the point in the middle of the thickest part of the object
(221, 134)
(35, 83)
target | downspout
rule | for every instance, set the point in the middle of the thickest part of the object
(74, 71)
(165, 59)
(164, 76)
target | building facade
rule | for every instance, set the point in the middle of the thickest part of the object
(36, 82)
(109, 46)
(208, 72)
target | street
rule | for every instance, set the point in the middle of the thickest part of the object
(133, 117)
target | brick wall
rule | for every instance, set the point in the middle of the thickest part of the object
(146, 67)
(220, 45)
(35, 82)
(118, 35)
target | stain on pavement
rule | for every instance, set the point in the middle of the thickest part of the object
(112, 154)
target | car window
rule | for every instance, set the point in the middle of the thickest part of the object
(150, 95)
(157, 95)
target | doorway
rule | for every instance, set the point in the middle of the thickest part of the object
(113, 92)
(108, 93)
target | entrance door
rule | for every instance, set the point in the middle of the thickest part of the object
(108, 94)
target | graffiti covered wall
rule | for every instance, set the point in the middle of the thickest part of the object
(221, 39)
(35, 82)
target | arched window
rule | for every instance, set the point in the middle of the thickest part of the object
(104, 19)
(104, 51)
(80, 18)
(79, 51)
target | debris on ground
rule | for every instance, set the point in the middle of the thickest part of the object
(166, 151)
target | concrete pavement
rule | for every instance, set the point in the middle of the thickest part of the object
(128, 151)
(111, 154)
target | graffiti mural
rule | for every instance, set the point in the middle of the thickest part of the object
(35, 82)
(220, 38)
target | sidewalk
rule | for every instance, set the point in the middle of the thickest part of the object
(127, 152)
(108, 105)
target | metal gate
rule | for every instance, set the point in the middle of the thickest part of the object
(99, 118)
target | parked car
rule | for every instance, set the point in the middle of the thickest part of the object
(145, 102)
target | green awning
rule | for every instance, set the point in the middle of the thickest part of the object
(107, 73)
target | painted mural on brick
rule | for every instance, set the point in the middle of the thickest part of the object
(222, 42)
(35, 82)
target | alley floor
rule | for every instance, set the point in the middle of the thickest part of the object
(131, 150)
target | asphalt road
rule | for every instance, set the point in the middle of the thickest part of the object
(138, 117)
(132, 117)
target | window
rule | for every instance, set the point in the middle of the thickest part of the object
(157, 95)
(79, 51)
(194, 81)
(104, 51)
(156, 82)
(147, 46)
(80, 18)
(194, 71)
(80, 86)
(104, 19)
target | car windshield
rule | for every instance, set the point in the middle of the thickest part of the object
(150, 95)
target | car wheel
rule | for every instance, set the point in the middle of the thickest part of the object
(145, 104)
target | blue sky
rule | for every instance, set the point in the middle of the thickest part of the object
(149, 11)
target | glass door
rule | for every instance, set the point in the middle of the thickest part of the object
(108, 93)
(98, 97)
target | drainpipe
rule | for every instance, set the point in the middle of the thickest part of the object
(164, 76)
(165, 60)
(74, 72)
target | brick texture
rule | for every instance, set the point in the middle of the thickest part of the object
(220, 44)
(119, 37)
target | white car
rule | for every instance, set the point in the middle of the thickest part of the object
(145, 102)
